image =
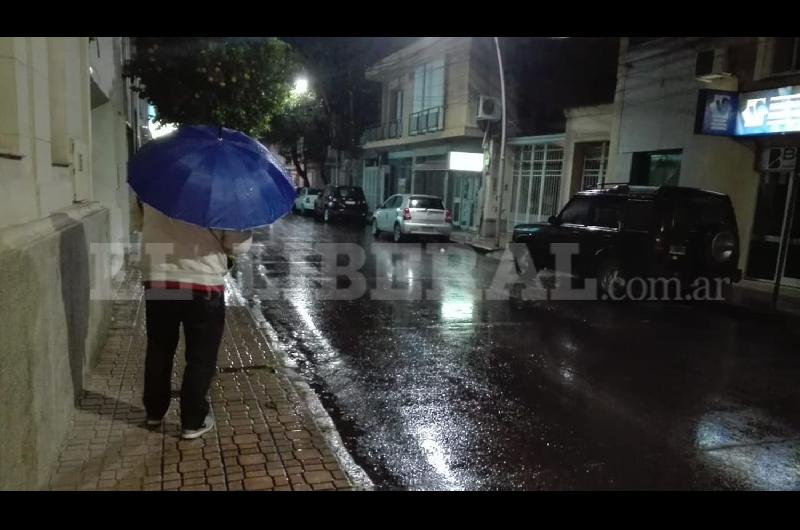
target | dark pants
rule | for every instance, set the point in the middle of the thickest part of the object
(203, 318)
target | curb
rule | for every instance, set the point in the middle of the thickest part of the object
(357, 476)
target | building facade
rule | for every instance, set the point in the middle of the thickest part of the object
(68, 123)
(721, 114)
(429, 138)
(544, 171)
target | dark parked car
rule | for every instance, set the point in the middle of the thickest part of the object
(640, 231)
(341, 202)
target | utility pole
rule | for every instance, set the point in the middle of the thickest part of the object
(501, 174)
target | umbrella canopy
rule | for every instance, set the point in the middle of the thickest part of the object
(212, 177)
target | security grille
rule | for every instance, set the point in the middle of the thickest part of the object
(537, 183)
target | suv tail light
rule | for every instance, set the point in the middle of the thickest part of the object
(406, 214)
(660, 247)
(723, 246)
(448, 217)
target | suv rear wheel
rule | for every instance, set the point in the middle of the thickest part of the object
(610, 280)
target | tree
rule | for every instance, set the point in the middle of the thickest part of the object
(238, 83)
(302, 127)
(343, 103)
(336, 66)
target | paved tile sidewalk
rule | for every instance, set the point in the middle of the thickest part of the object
(264, 440)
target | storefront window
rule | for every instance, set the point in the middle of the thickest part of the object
(771, 216)
(656, 168)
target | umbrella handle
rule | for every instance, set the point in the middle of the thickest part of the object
(220, 132)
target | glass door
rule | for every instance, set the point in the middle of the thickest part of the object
(791, 273)
(467, 201)
(772, 213)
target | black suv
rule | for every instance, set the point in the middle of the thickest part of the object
(341, 202)
(640, 231)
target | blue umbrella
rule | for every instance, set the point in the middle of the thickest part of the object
(212, 177)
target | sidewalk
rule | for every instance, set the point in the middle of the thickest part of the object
(265, 438)
(481, 244)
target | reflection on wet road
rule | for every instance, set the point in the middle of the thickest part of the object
(457, 392)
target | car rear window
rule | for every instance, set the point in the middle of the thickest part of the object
(430, 203)
(350, 192)
(698, 211)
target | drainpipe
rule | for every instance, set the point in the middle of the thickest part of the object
(501, 175)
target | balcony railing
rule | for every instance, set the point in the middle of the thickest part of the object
(393, 129)
(425, 121)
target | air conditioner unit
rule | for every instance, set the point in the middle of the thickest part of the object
(712, 64)
(489, 108)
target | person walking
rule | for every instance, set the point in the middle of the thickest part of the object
(203, 189)
(183, 269)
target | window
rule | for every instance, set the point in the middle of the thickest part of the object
(786, 55)
(391, 202)
(429, 203)
(349, 192)
(536, 183)
(395, 105)
(656, 168)
(427, 110)
(639, 215)
(429, 182)
(595, 163)
(605, 213)
(700, 211)
(576, 212)
(429, 86)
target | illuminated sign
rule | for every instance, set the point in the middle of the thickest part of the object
(716, 112)
(778, 158)
(769, 112)
(465, 161)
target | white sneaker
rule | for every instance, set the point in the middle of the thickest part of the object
(208, 425)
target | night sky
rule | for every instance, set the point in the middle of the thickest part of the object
(547, 74)
(553, 74)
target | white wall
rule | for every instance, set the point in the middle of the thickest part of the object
(657, 111)
(43, 94)
(53, 329)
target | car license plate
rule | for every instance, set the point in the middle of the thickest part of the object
(349, 203)
(677, 249)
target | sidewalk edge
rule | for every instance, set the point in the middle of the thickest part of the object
(357, 476)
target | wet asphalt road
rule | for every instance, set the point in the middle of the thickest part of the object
(464, 393)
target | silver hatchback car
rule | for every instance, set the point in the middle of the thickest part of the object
(405, 215)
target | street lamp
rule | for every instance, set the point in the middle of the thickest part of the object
(300, 86)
